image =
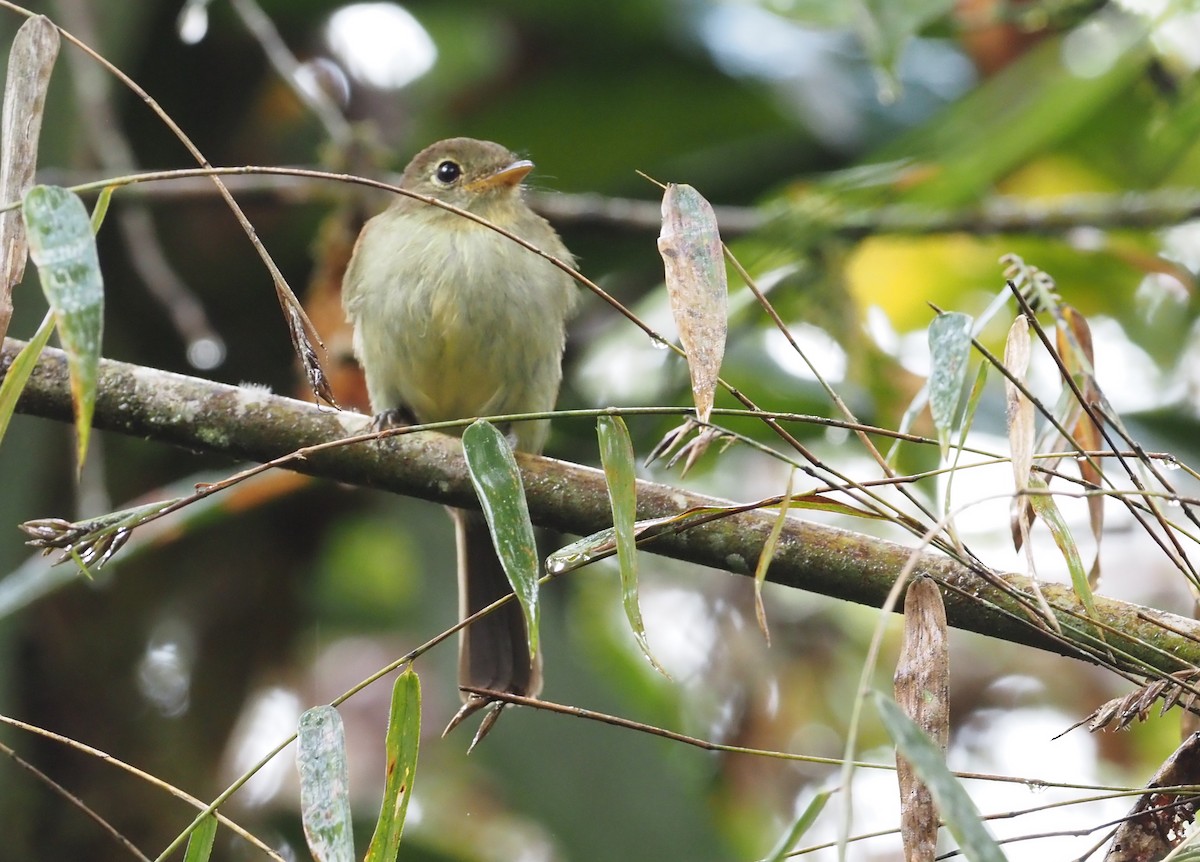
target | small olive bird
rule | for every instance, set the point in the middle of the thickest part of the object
(454, 320)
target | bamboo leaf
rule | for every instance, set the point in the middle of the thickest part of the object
(1073, 337)
(697, 288)
(100, 210)
(200, 842)
(616, 456)
(63, 246)
(950, 352)
(1049, 512)
(30, 63)
(768, 553)
(402, 744)
(325, 785)
(18, 373)
(501, 494)
(806, 819)
(957, 810)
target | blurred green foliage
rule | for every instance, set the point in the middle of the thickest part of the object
(769, 105)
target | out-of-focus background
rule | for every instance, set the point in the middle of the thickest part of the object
(195, 651)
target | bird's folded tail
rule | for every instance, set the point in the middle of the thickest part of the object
(494, 650)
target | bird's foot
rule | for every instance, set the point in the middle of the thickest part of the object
(397, 417)
(474, 704)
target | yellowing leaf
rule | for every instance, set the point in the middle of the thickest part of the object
(403, 740)
(1078, 355)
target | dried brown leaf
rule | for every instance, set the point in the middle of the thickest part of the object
(1160, 821)
(1019, 413)
(694, 261)
(922, 687)
(1074, 340)
(30, 63)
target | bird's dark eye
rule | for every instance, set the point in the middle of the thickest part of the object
(447, 172)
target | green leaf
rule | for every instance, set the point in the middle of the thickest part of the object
(403, 741)
(949, 352)
(803, 822)
(977, 389)
(63, 246)
(18, 373)
(200, 842)
(973, 400)
(616, 456)
(1046, 509)
(497, 482)
(1031, 107)
(768, 553)
(100, 210)
(325, 785)
(956, 808)
(697, 287)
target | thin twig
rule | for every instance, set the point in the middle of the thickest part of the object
(1146, 210)
(74, 800)
(145, 776)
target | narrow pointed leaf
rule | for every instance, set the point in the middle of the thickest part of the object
(821, 503)
(200, 842)
(950, 352)
(697, 287)
(977, 389)
(956, 808)
(976, 395)
(602, 544)
(100, 210)
(806, 819)
(768, 554)
(403, 741)
(1074, 341)
(63, 246)
(18, 373)
(1049, 512)
(30, 63)
(501, 494)
(616, 456)
(325, 785)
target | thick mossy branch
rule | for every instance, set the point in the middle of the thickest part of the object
(250, 423)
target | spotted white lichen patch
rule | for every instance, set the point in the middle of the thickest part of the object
(353, 423)
(248, 396)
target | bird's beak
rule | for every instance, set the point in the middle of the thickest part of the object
(508, 176)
